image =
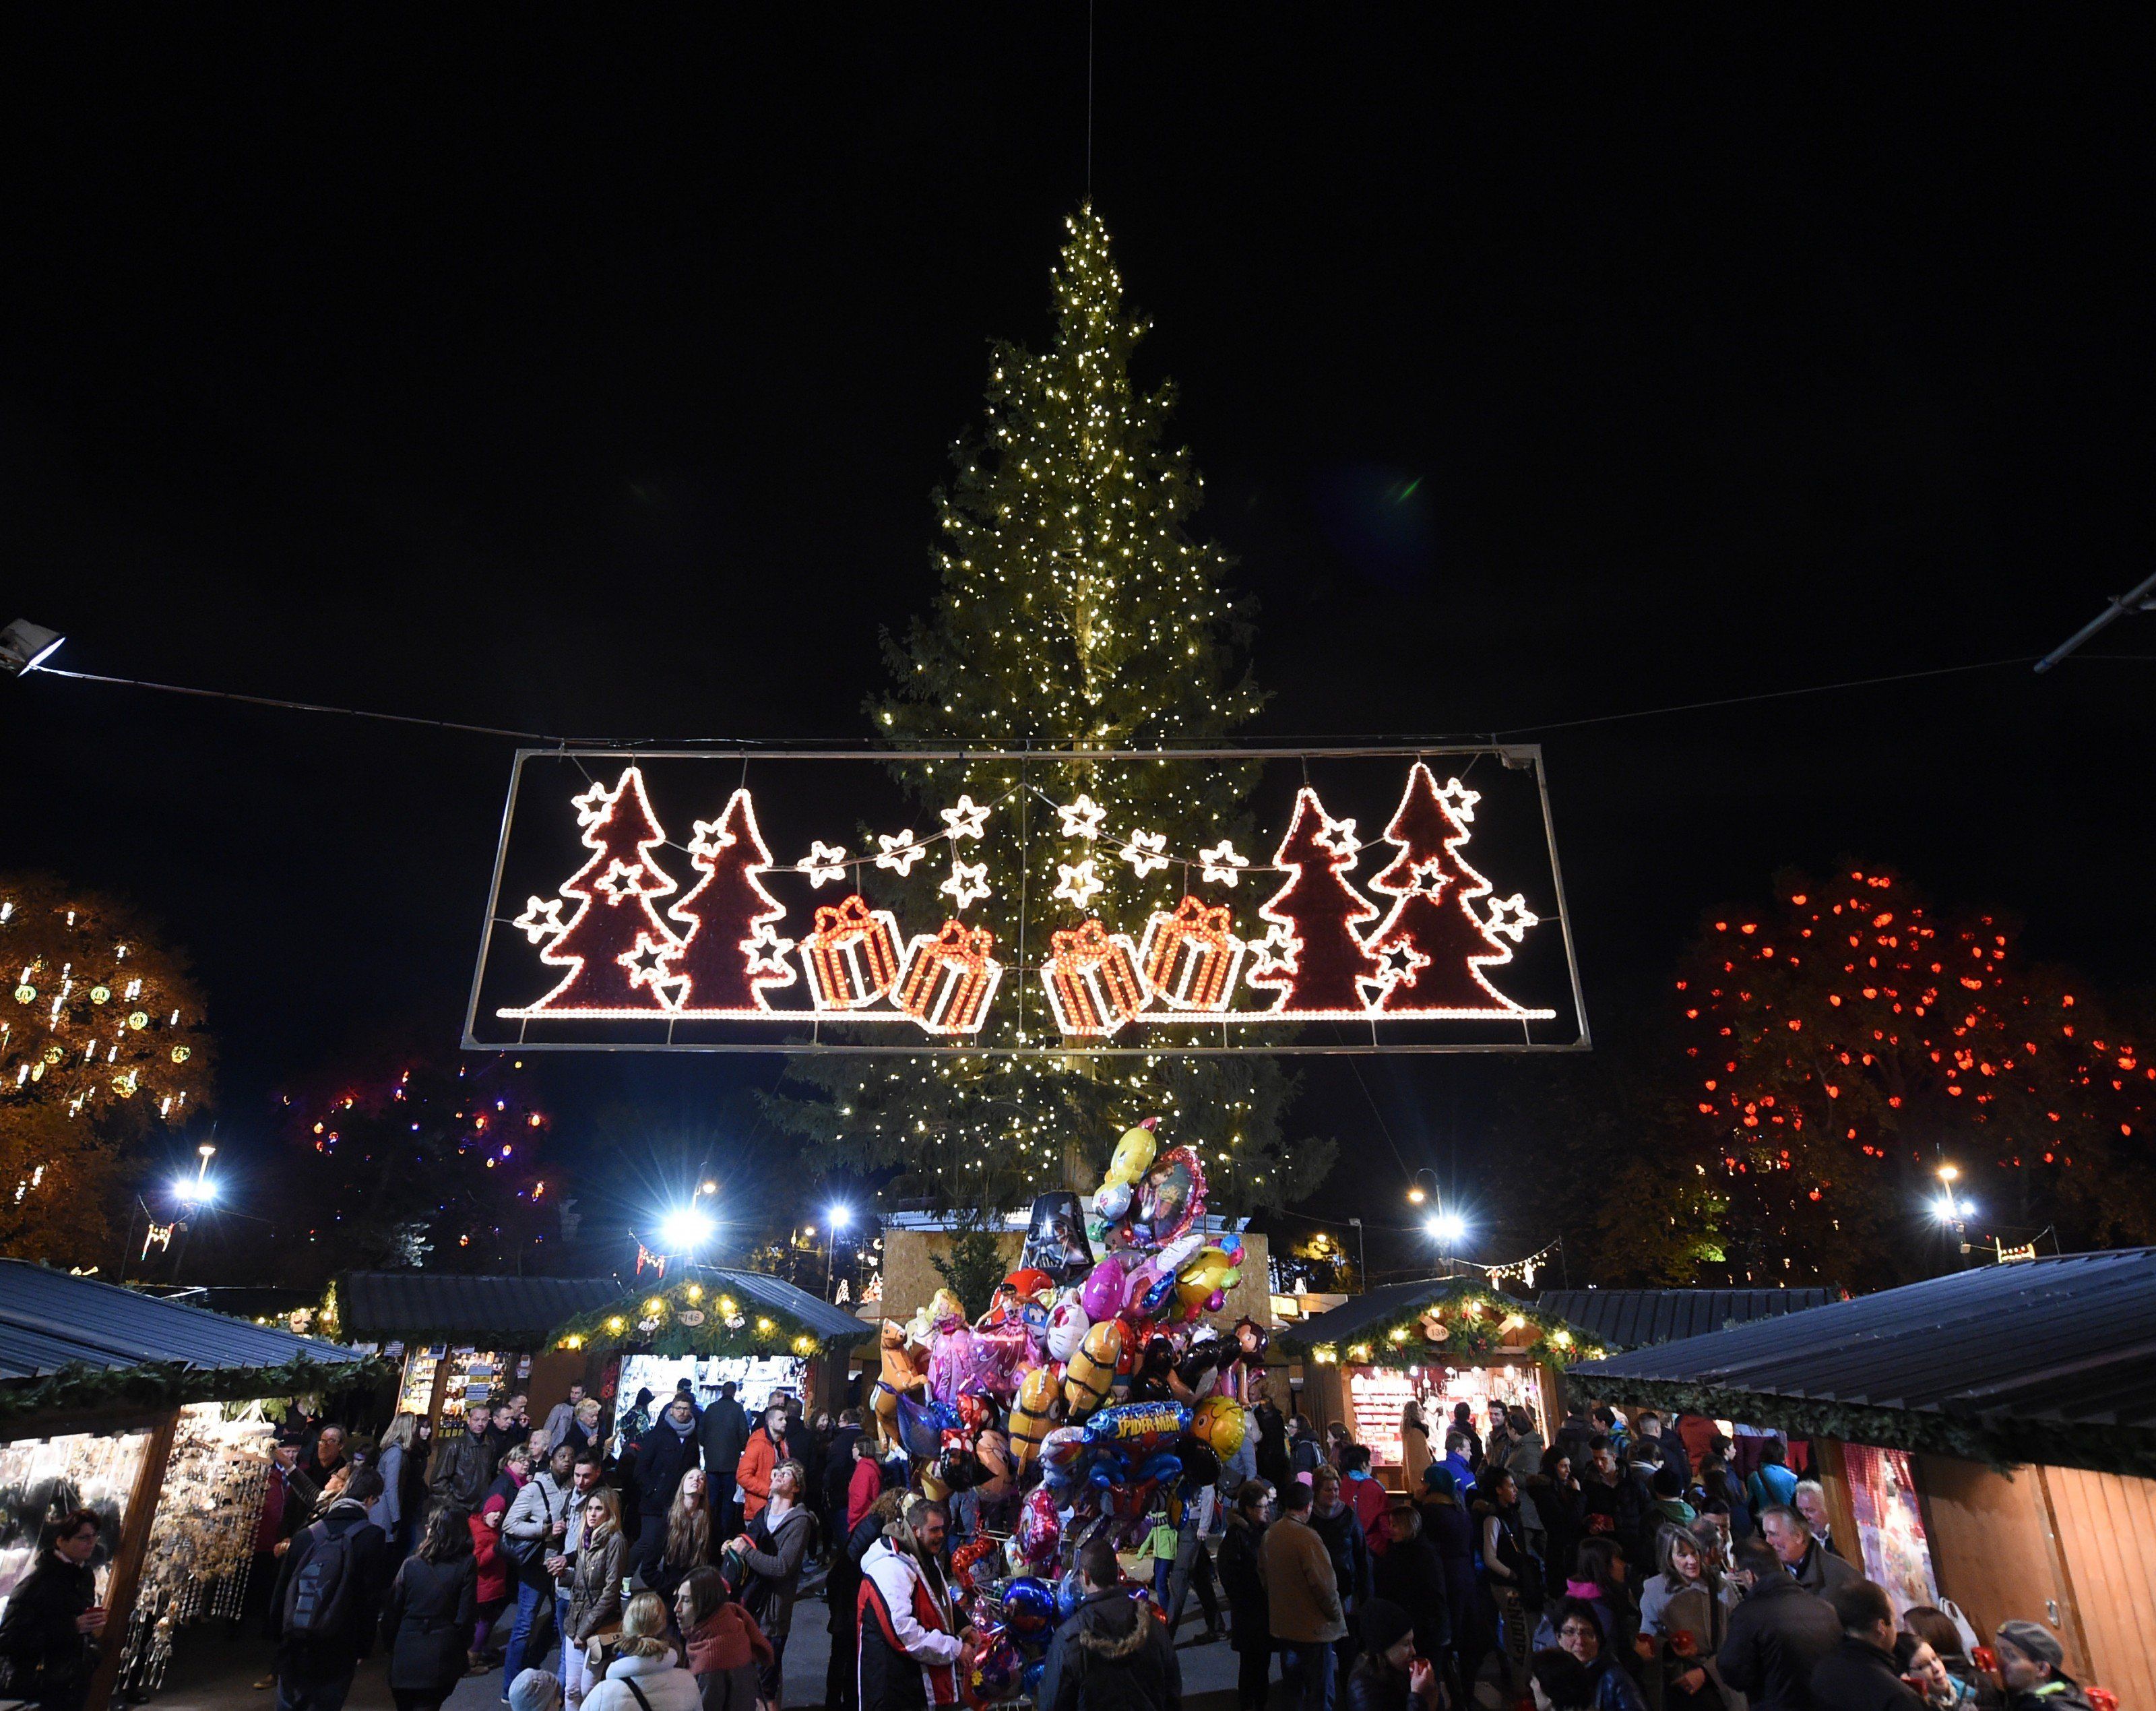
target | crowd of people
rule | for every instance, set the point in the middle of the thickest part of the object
(1621, 1563)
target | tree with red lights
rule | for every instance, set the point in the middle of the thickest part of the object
(1433, 946)
(731, 952)
(1847, 1042)
(1312, 955)
(615, 946)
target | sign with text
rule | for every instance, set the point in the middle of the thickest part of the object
(1028, 903)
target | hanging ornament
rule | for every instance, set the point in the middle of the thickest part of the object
(966, 885)
(1190, 956)
(1078, 886)
(1092, 979)
(852, 956)
(899, 852)
(950, 978)
(1082, 820)
(826, 864)
(1312, 957)
(1143, 852)
(730, 953)
(1223, 865)
(968, 819)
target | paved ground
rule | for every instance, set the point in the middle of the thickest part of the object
(212, 1672)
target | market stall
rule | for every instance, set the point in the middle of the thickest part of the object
(119, 1402)
(1988, 1436)
(1439, 1341)
(459, 1339)
(712, 1325)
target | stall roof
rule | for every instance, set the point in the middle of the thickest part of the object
(2050, 1360)
(831, 1324)
(74, 1343)
(1633, 1318)
(1388, 1305)
(477, 1312)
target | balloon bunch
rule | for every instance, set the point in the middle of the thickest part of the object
(1090, 1406)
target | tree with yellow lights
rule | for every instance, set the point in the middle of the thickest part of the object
(101, 1042)
(1075, 613)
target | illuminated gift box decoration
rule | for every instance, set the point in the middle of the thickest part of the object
(1191, 957)
(852, 957)
(1092, 978)
(950, 978)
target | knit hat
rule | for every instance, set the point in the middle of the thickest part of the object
(536, 1690)
(1438, 1478)
(2035, 1641)
(1384, 1625)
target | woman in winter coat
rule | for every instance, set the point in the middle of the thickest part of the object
(432, 1604)
(1555, 1494)
(773, 1549)
(594, 1588)
(53, 1620)
(688, 1546)
(496, 1578)
(1416, 1452)
(1685, 1607)
(1247, 1605)
(726, 1649)
(646, 1657)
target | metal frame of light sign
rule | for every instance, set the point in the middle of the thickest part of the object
(1412, 943)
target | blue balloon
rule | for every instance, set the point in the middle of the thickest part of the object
(1029, 1680)
(1166, 1464)
(1029, 1605)
(1069, 1594)
(921, 1425)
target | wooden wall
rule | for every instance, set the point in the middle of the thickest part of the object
(2072, 1549)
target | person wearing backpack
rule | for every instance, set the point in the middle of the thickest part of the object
(323, 1612)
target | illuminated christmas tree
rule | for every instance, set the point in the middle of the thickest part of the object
(615, 946)
(1434, 945)
(1312, 955)
(730, 951)
(1074, 611)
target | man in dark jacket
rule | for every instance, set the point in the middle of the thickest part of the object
(319, 1650)
(838, 1474)
(1859, 1674)
(463, 1467)
(722, 1433)
(669, 1450)
(2033, 1665)
(1112, 1650)
(1777, 1636)
(1810, 1564)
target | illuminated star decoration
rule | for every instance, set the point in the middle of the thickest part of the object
(1430, 880)
(1079, 885)
(966, 885)
(824, 863)
(1460, 799)
(646, 963)
(1143, 851)
(592, 806)
(1275, 953)
(1399, 961)
(766, 951)
(541, 919)
(900, 851)
(1221, 862)
(1512, 917)
(1338, 836)
(1082, 820)
(622, 880)
(967, 819)
(710, 837)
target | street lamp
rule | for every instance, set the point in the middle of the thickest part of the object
(1447, 1230)
(24, 647)
(838, 1218)
(1953, 1210)
(686, 1229)
(197, 1190)
(1417, 1194)
(1362, 1257)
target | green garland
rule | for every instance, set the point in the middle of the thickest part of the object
(1476, 1320)
(691, 1317)
(78, 1390)
(2000, 1442)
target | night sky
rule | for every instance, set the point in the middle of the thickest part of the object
(596, 383)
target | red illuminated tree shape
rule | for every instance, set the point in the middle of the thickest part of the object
(1312, 955)
(615, 946)
(1433, 948)
(730, 953)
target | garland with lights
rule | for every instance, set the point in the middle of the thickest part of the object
(1467, 1318)
(691, 1317)
(157, 1384)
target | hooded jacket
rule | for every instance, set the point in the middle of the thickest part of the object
(666, 1685)
(909, 1643)
(1120, 1649)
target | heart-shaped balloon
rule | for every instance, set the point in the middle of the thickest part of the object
(1171, 1196)
(990, 1361)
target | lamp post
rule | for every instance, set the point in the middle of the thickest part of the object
(1953, 1210)
(1361, 1258)
(1447, 1229)
(837, 1220)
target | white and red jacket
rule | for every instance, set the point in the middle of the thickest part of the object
(909, 1651)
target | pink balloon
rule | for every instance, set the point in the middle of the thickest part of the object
(1039, 1528)
(1106, 1289)
(994, 1360)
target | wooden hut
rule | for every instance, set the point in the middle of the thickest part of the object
(1988, 1436)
